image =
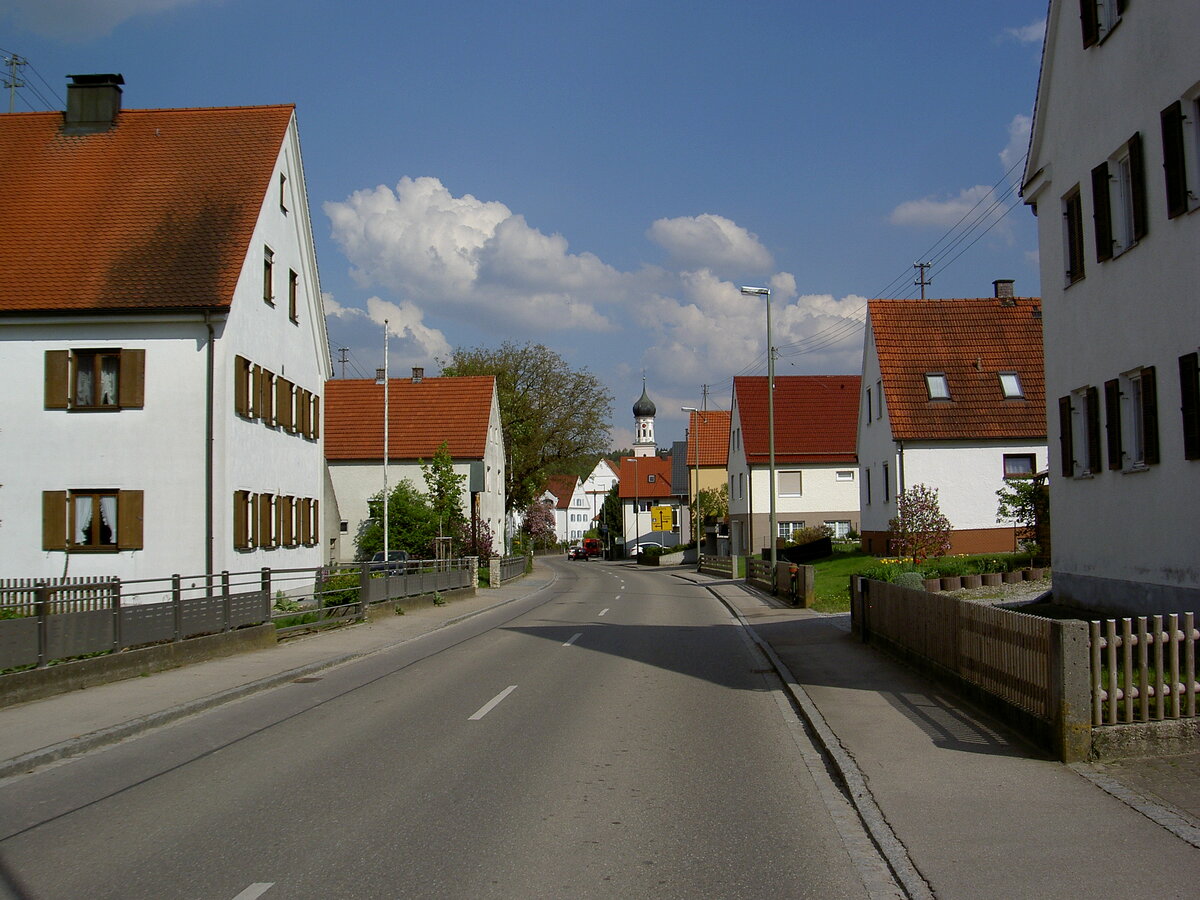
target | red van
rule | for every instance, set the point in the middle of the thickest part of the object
(593, 547)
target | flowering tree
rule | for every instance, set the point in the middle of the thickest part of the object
(919, 530)
(539, 523)
(478, 541)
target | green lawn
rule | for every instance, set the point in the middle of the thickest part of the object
(832, 588)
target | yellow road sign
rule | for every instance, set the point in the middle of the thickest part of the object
(661, 518)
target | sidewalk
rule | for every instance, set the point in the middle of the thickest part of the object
(975, 810)
(42, 731)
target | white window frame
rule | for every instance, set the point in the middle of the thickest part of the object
(1191, 144)
(844, 475)
(1010, 386)
(1133, 432)
(839, 528)
(1085, 466)
(937, 385)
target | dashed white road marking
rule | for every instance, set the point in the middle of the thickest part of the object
(491, 704)
(618, 597)
(255, 890)
(576, 636)
(603, 611)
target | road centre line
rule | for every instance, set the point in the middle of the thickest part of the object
(603, 611)
(255, 890)
(491, 704)
(576, 636)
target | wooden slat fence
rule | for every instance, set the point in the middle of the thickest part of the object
(760, 574)
(1144, 669)
(717, 565)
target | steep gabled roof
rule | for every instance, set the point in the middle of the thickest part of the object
(562, 487)
(636, 474)
(708, 432)
(816, 418)
(421, 415)
(155, 214)
(971, 342)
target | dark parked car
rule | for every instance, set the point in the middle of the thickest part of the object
(577, 553)
(396, 561)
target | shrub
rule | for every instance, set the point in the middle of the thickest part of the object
(920, 530)
(808, 535)
(911, 580)
(340, 589)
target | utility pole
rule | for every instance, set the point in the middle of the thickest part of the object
(921, 279)
(342, 351)
(13, 81)
(704, 389)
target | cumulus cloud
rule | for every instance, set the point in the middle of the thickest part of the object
(1033, 33)
(710, 241)
(1018, 145)
(76, 20)
(406, 322)
(470, 257)
(941, 211)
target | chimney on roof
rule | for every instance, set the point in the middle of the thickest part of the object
(1004, 291)
(418, 374)
(380, 377)
(93, 102)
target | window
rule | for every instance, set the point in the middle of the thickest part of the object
(887, 485)
(1119, 200)
(937, 386)
(293, 289)
(786, 529)
(1131, 419)
(789, 484)
(1018, 465)
(1189, 401)
(1073, 235)
(867, 483)
(1010, 386)
(269, 275)
(283, 192)
(1079, 432)
(1098, 18)
(879, 399)
(285, 404)
(650, 478)
(1174, 159)
(95, 520)
(741, 485)
(869, 406)
(844, 475)
(243, 520)
(111, 378)
(838, 528)
(265, 534)
(645, 505)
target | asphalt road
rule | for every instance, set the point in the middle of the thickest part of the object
(614, 736)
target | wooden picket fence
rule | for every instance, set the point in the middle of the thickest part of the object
(1144, 669)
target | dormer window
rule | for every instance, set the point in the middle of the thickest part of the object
(1010, 384)
(937, 385)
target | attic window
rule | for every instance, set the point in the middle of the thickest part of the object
(937, 385)
(650, 478)
(1010, 384)
(283, 192)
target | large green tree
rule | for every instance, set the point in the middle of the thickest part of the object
(445, 490)
(552, 415)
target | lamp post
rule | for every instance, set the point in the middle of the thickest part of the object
(386, 557)
(766, 292)
(696, 499)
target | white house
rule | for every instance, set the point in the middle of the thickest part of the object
(953, 397)
(644, 487)
(598, 483)
(1113, 176)
(564, 494)
(423, 413)
(162, 342)
(815, 463)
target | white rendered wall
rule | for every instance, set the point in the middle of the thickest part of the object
(875, 445)
(967, 477)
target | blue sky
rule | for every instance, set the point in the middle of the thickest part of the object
(600, 177)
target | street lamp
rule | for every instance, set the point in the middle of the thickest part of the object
(766, 292)
(696, 499)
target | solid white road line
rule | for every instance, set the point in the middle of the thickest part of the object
(492, 704)
(603, 611)
(576, 636)
(255, 890)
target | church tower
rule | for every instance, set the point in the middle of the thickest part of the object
(643, 425)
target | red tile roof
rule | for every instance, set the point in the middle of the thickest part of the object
(420, 416)
(709, 430)
(155, 214)
(816, 418)
(635, 475)
(562, 487)
(971, 342)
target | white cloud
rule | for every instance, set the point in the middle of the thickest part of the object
(470, 257)
(406, 322)
(1018, 145)
(332, 308)
(713, 242)
(1033, 33)
(77, 20)
(941, 211)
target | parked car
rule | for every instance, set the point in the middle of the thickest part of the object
(577, 553)
(645, 545)
(396, 560)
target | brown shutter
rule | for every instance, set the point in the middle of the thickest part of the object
(266, 521)
(266, 397)
(131, 388)
(303, 410)
(316, 522)
(1089, 18)
(1174, 159)
(241, 508)
(54, 520)
(283, 402)
(1137, 187)
(241, 386)
(1150, 454)
(303, 519)
(58, 378)
(1065, 440)
(252, 514)
(316, 418)
(1112, 421)
(1102, 213)
(129, 520)
(1189, 396)
(1093, 429)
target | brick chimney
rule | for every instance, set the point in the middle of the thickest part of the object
(418, 374)
(93, 102)
(1004, 291)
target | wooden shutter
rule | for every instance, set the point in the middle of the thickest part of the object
(303, 410)
(284, 404)
(1137, 187)
(252, 514)
(1066, 441)
(266, 397)
(129, 520)
(241, 520)
(287, 521)
(1093, 428)
(131, 384)
(1174, 159)
(1189, 396)
(316, 418)
(1089, 18)
(303, 520)
(1102, 212)
(241, 386)
(1112, 421)
(1073, 213)
(266, 521)
(316, 522)
(58, 378)
(54, 520)
(1150, 453)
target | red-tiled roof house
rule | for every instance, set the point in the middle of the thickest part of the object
(645, 490)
